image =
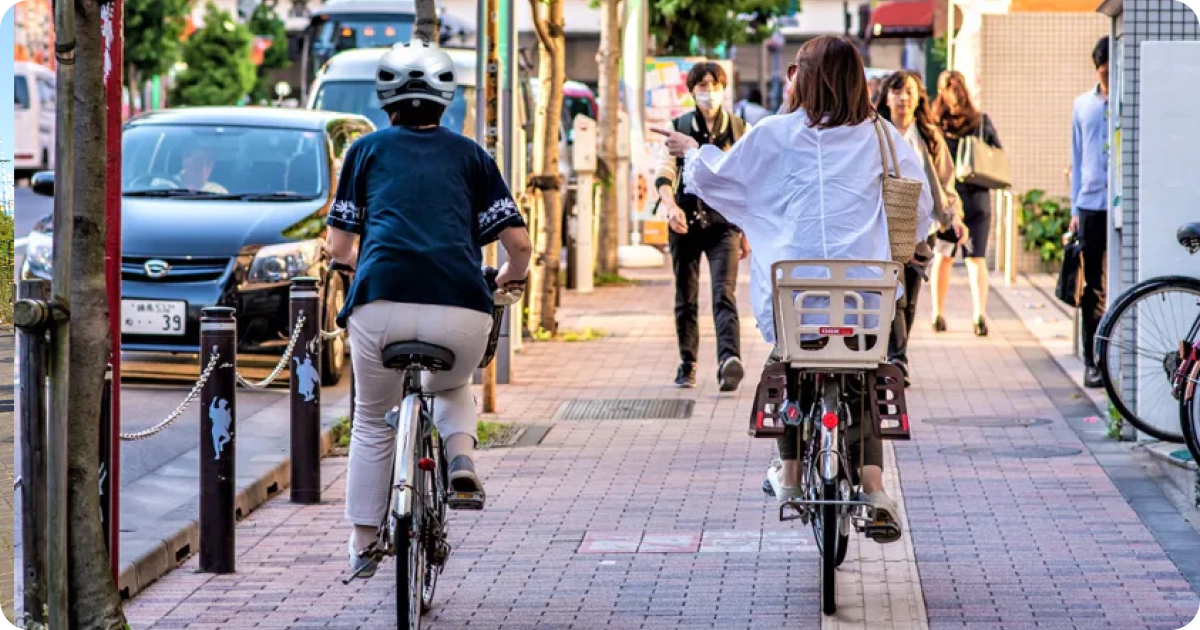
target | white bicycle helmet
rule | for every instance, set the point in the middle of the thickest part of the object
(415, 70)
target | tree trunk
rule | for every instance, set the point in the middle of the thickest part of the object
(426, 26)
(94, 602)
(131, 77)
(552, 74)
(609, 58)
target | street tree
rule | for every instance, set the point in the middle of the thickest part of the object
(265, 23)
(676, 23)
(552, 74)
(219, 70)
(93, 600)
(152, 32)
(426, 26)
(609, 59)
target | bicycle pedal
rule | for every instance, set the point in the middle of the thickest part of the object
(797, 512)
(882, 529)
(465, 500)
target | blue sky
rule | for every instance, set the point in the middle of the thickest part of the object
(6, 71)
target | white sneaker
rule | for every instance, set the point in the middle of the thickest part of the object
(775, 476)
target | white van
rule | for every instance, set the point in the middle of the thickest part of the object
(347, 84)
(34, 93)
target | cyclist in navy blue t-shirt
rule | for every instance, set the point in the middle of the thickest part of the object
(415, 204)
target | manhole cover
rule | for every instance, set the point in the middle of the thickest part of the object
(1014, 452)
(631, 409)
(989, 422)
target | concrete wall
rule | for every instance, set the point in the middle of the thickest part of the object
(1032, 68)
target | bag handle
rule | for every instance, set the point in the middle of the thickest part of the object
(885, 137)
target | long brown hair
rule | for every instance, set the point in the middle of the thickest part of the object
(830, 83)
(964, 118)
(923, 116)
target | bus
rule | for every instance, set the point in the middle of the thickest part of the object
(339, 25)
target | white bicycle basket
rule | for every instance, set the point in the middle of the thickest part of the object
(834, 314)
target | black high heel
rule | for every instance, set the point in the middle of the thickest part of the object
(981, 329)
(939, 324)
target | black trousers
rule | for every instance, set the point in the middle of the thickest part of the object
(721, 244)
(906, 313)
(1093, 235)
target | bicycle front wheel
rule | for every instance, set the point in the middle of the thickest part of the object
(1137, 351)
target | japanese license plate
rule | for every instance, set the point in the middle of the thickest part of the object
(151, 317)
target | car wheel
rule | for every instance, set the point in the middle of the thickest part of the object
(333, 351)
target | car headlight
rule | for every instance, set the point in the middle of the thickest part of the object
(39, 250)
(279, 263)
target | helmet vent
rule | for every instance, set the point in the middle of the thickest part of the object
(415, 74)
(386, 76)
(446, 77)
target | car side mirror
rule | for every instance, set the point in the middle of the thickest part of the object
(43, 183)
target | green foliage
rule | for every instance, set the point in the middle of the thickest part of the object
(1043, 221)
(266, 23)
(219, 71)
(152, 32)
(341, 432)
(711, 22)
(570, 336)
(1115, 422)
(612, 280)
(6, 272)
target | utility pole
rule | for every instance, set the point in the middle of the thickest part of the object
(57, 542)
(114, 49)
(491, 142)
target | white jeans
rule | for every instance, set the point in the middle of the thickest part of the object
(377, 389)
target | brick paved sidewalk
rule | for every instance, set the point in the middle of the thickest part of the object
(659, 524)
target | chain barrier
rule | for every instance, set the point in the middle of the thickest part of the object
(151, 432)
(283, 361)
(212, 364)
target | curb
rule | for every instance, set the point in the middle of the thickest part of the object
(143, 570)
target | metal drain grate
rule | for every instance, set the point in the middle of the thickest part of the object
(989, 422)
(1012, 452)
(627, 409)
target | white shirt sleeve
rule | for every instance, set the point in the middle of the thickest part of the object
(719, 178)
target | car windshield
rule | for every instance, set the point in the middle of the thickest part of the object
(359, 97)
(20, 92)
(210, 160)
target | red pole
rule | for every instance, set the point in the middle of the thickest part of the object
(114, 44)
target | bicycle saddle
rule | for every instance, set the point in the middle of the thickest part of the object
(1189, 236)
(405, 355)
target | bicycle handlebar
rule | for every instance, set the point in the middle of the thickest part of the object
(507, 295)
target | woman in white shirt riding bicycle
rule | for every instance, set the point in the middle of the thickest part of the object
(807, 185)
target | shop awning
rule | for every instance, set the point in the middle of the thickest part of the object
(901, 18)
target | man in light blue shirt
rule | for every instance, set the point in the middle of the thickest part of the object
(1089, 200)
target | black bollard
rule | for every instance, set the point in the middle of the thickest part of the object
(32, 343)
(106, 452)
(306, 393)
(218, 472)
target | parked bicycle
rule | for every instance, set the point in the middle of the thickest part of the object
(1187, 374)
(1143, 341)
(414, 528)
(832, 338)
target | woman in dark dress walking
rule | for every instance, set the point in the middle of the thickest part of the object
(959, 118)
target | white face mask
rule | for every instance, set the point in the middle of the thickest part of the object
(709, 100)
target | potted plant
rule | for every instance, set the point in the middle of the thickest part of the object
(1042, 222)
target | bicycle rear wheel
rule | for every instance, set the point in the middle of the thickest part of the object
(843, 533)
(410, 572)
(1189, 416)
(829, 549)
(1137, 351)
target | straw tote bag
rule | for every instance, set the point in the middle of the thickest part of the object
(901, 200)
